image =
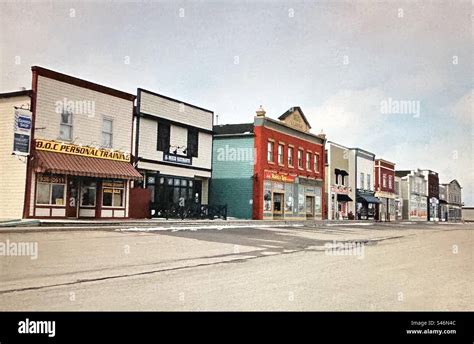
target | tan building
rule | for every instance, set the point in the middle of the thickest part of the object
(339, 184)
(79, 159)
(12, 166)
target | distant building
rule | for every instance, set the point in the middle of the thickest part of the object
(280, 161)
(414, 193)
(385, 190)
(339, 184)
(443, 202)
(361, 170)
(468, 214)
(455, 203)
(433, 194)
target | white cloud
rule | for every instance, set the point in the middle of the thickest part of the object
(349, 115)
(463, 109)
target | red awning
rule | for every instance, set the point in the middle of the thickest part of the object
(76, 165)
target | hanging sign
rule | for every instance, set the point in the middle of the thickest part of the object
(22, 132)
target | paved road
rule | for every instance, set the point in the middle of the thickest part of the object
(383, 267)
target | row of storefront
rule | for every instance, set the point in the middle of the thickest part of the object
(83, 150)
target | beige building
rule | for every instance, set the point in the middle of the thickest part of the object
(12, 166)
(173, 150)
(339, 184)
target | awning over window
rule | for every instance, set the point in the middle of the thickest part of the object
(77, 165)
(367, 199)
(340, 172)
(343, 198)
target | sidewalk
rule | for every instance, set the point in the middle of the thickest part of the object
(157, 224)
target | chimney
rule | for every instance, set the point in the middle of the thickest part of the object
(322, 134)
(261, 112)
(22, 88)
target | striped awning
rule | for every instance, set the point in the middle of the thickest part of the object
(76, 165)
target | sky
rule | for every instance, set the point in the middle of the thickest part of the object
(394, 78)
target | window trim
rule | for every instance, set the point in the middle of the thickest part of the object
(124, 188)
(111, 120)
(300, 166)
(282, 146)
(271, 153)
(70, 125)
(50, 204)
(290, 149)
(316, 159)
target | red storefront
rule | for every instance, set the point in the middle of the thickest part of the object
(289, 168)
(384, 185)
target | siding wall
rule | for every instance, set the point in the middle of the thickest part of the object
(232, 183)
(12, 168)
(87, 127)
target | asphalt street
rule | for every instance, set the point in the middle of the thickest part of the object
(334, 267)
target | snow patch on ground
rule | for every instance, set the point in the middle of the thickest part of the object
(350, 224)
(195, 228)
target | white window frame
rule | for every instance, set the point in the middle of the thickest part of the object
(70, 125)
(270, 148)
(290, 156)
(281, 154)
(111, 133)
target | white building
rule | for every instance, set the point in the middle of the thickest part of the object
(361, 170)
(173, 149)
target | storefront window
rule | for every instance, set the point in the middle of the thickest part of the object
(88, 193)
(112, 193)
(317, 207)
(300, 199)
(289, 201)
(267, 196)
(50, 189)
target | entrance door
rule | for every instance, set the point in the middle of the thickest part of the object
(277, 205)
(72, 197)
(310, 206)
(197, 189)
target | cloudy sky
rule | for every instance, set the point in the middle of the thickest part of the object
(342, 62)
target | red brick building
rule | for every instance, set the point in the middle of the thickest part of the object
(289, 168)
(384, 184)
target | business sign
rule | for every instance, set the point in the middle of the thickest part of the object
(22, 132)
(179, 159)
(279, 177)
(92, 152)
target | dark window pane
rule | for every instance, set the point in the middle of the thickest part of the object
(193, 142)
(163, 142)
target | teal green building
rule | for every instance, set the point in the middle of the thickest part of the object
(233, 157)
